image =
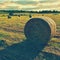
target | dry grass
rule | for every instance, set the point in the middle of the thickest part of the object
(11, 30)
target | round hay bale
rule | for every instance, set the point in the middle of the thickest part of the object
(52, 25)
(42, 29)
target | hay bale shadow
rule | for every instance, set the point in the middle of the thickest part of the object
(27, 50)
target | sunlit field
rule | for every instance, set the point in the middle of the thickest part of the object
(12, 29)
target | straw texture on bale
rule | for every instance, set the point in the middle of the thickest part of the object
(42, 29)
(52, 25)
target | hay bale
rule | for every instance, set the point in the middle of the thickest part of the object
(9, 16)
(3, 43)
(42, 29)
(52, 25)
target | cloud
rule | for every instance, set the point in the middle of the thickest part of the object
(13, 5)
(30, 4)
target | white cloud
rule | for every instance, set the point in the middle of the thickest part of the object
(45, 5)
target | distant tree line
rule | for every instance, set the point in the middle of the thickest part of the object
(49, 11)
(21, 11)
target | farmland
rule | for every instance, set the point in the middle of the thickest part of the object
(12, 30)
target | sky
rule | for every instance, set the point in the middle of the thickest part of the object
(34, 5)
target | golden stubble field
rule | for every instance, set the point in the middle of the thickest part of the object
(12, 29)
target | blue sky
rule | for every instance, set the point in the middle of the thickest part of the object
(30, 4)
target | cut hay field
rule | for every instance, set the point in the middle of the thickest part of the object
(12, 32)
(12, 29)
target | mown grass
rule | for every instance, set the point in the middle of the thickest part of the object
(12, 32)
(12, 29)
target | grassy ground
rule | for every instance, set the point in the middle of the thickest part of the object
(12, 30)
